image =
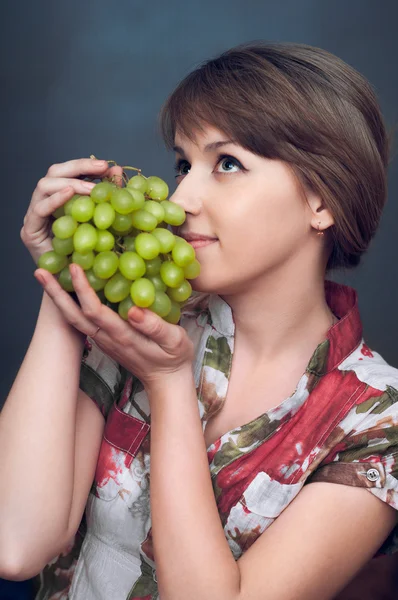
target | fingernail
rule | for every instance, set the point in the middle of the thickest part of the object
(40, 278)
(137, 315)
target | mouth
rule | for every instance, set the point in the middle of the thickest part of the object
(201, 243)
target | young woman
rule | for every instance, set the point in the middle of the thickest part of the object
(249, 452)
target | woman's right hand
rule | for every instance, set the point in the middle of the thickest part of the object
(52, 191)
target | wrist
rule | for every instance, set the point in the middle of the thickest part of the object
(183, 376)
(51, 317)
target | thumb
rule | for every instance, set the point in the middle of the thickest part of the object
(166, 335)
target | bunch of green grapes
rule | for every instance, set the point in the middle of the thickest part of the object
(121, 237)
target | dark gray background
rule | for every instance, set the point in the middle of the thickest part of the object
(90, 77)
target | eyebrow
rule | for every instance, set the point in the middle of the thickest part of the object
(208, 148)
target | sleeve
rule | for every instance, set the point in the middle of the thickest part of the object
(368, 457)
(101, 378)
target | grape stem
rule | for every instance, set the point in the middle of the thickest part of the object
(93, 157)
(134, 169)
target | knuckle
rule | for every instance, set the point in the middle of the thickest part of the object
(52, 170)
(155, 328)
(90, 314)
(180, 341)
(36, 210)
(42, 185)
(22, 233)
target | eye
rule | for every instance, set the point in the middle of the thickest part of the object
(230, 164)
(181, 167)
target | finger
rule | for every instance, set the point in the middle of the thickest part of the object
(40, 210)
(166, 335)
(67, 306)
(89, 302)
(50, 185)
(79, 167)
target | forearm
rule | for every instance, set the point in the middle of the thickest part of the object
(193, 559)
(37, 437)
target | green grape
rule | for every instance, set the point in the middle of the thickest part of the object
(147, 246)
(86, 260)
(122, 201)
(129, 244)
(64, 227)
(122, 238)
(153, 266)
(131, 265)
(83, 209)
(183, 254)
(180, 293)
(141, 219)
(115, 233)
(104, 215)
(139, 183)
(68, 205)
(65, 280)
(157, 188)
(161, 305)
(105, 264)
(142, 292)
(63, 247)
(52, 262)
(175, 313)
(138, 198)
(192, 270)
(157, 281)
(117, 288)
(85, 238)
(102, 192)
(59, 212)
(180, 239)
(173, 213)
(105, 240)
(122, 223)
(155, 209)
(97, 283)
(124, 307)
(165, 238)
(171, 274)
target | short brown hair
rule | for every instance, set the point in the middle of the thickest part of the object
(307, 107)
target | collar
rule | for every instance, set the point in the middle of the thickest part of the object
(342, 338)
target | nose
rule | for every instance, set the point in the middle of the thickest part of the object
(187, 195)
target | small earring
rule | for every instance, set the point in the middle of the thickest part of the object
(319, 232)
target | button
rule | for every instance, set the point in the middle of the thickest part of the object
(373, 474)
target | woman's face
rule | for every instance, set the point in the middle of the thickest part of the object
(252, 206)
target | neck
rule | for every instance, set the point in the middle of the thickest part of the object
(281, 316)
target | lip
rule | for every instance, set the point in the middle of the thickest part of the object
(196, 237)
(201, 243)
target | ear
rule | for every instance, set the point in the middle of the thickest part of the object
(319, 213)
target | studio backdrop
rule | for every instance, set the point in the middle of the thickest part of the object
(89, 77)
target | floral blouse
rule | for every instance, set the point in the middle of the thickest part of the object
(339, 425)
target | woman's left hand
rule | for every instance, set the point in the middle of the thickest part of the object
(145, 345)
